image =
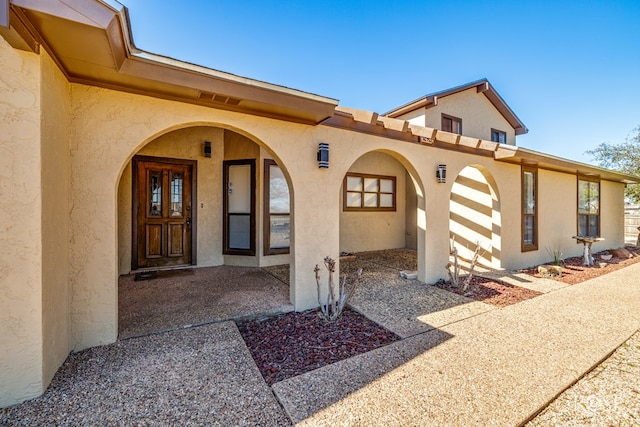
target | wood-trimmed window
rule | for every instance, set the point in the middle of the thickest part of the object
(239, 207)
(362, 192)
(498, 136)
(451, 124)
(529, 183)
(588, 206)
(277, 210)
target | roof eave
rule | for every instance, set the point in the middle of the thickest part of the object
(525, 156)
(481, 86)
(118, 64)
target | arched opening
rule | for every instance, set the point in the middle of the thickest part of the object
(382, 212)
(205, 210)
(474, 216)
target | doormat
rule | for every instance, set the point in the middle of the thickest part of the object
(158, 274)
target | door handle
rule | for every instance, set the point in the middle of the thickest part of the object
(188, 223)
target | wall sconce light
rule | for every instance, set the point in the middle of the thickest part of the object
(441, 173)
(323, 155)
(206, 149)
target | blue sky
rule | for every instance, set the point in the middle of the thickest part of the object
(570, 70)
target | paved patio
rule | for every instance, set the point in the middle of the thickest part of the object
(175, 299)
(495, 367)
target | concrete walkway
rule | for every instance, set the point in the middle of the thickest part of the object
(496, 368)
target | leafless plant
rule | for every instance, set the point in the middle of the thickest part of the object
(335, 303)
(454, 269)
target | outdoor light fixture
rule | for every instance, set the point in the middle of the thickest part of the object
(206, 149)
(323, 155)
(441, 174)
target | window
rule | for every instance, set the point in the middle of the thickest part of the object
(451, 124)
(277, 214)
(529, 182)
(369, 192)
(588, 207)
(498, 136)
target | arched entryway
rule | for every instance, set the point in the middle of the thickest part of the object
(474, 216)
(381, 208)
(225, 194)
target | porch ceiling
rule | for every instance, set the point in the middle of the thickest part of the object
(91, 42)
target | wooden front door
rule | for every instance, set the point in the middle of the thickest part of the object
(163, 217)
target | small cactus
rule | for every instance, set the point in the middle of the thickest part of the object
(335, 303)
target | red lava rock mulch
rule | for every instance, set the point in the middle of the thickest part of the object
(294, 343)
(573, 270)
(492, 291)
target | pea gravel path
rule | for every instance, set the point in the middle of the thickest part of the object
(494, 368)
(197, 376)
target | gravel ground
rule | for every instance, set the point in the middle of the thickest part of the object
(206, 375)
(197, 376)
(607, 396)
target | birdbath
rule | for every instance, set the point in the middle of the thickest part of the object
(587, 241)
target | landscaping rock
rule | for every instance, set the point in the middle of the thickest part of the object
(411, 275)
(550, 270)
(621, 253)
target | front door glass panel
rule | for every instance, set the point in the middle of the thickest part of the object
(176, 195)
(155, 193)
(239, 207)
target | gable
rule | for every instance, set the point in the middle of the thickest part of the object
(478, 115)
(415, 111)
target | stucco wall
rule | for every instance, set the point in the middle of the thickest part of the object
(612, 211)
(109, 127)
(477, 113)
(88, 141)
(370, 231)
(416, 117)
(411, 213)
(20, 221)
(55, 217)
(471, 217)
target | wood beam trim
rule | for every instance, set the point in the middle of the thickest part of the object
(19, 33)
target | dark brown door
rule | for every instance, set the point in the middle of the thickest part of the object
(163, 216)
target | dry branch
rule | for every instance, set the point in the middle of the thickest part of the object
(335, 303)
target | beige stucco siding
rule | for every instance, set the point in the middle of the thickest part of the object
(108, 128)
(370, 231)
(55, 217)
(416, 117)
(478, 115)
(612, 215)
(21, 362)
(557, 216)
